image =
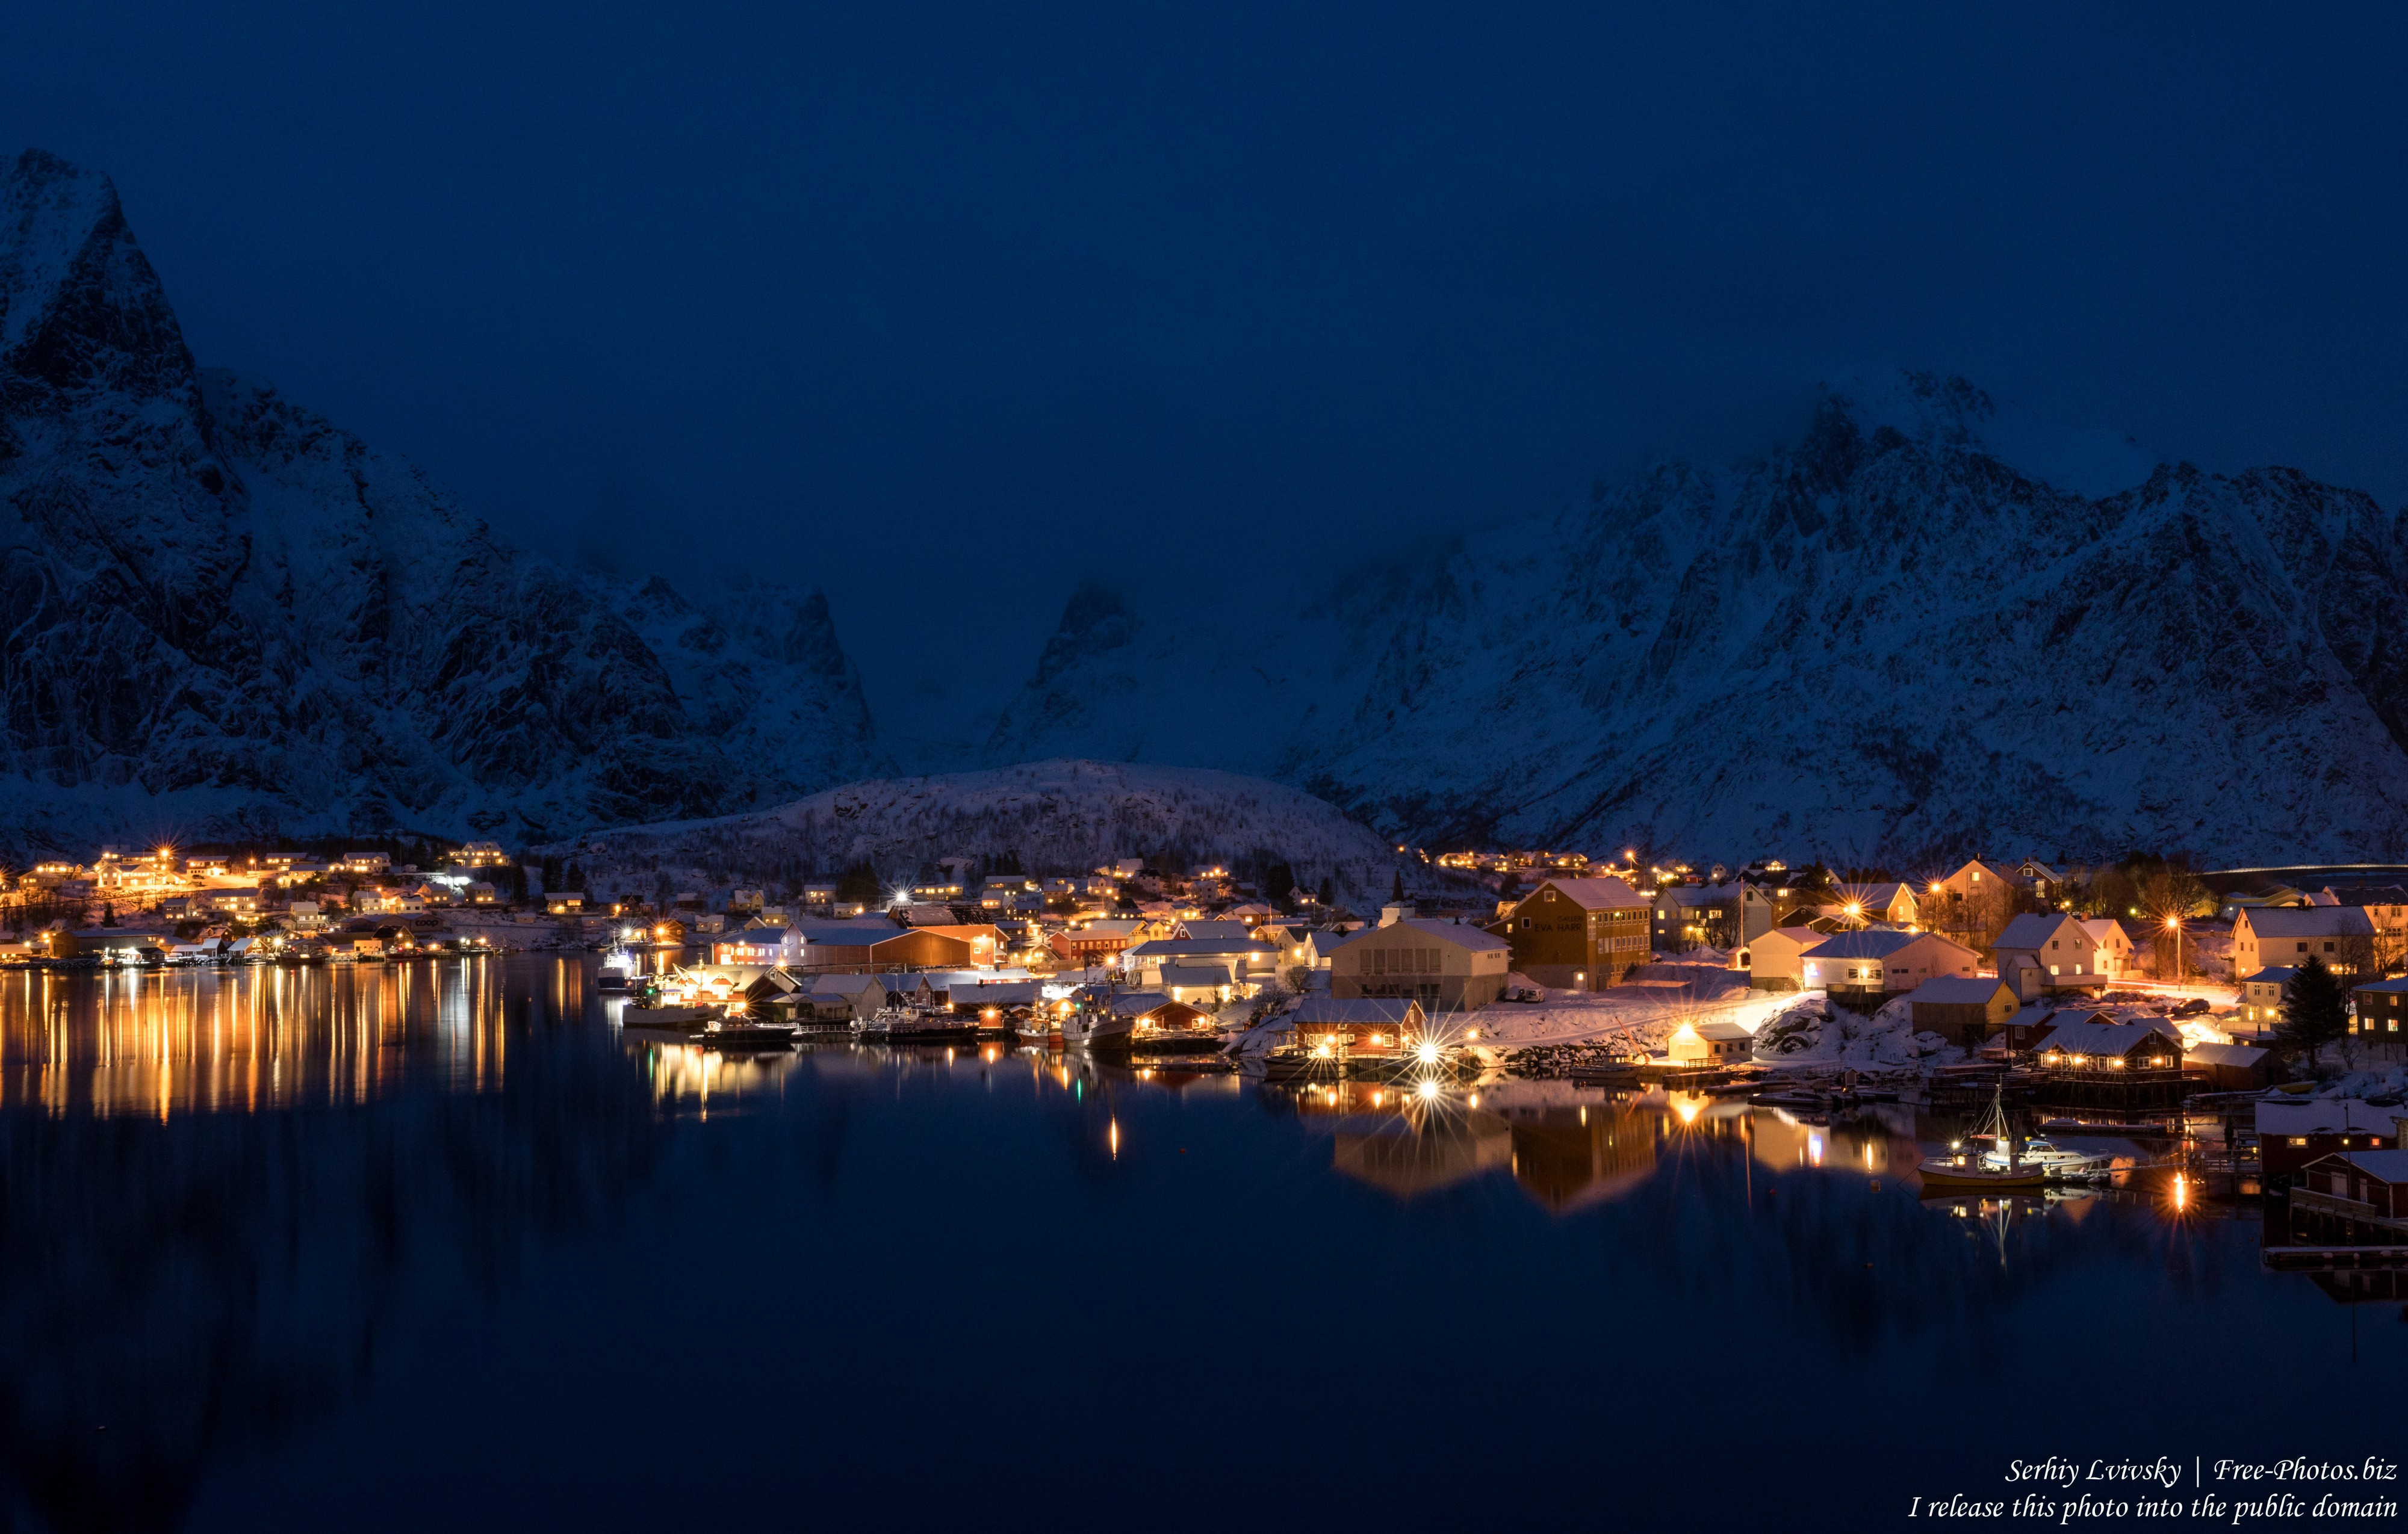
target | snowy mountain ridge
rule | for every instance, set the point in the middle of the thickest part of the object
(228, 616)
(1881, 644)
(1927, 628)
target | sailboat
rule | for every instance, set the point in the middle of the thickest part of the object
(1964, 1171)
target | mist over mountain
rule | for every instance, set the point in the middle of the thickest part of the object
(226, 614)
(1925, 628)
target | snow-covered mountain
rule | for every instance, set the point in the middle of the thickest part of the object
(1925, 629)
(1052, 817)
(225, 612)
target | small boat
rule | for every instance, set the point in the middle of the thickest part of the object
(735, 1033)
(2048, 1159)
(902, 1024)
(617, 976)
(1097, 1029)
(684, 1019)
(2077, 1126)
(1965, 1171)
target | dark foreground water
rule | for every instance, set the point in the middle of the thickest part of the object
(435, 1247)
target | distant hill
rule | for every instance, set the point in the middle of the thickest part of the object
(1051, 816)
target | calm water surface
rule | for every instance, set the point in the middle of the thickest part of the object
(430, 1246)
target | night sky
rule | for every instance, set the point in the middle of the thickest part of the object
(962, 303)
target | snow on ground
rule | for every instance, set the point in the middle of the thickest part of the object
(1644, 1013)
(1811, 1031)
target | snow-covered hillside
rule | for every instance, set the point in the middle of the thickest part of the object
(1060, 816)
(225, 612)
(1885, 644)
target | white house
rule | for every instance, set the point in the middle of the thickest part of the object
(2037, 954)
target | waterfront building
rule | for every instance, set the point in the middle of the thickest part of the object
(2341, 935)
(1579, 933)
(1865, 968)
(1444, 965)
(1774, 959)
(2294, 1132)
(1967, 1008)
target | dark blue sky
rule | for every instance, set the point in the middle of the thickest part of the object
(968, 300)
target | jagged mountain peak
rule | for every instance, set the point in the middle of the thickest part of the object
(228, 613)
(1926, 627)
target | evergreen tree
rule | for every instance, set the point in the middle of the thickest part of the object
(1396, 887)
(108, 916)
(1328, 889)
(2316, 1009)
(859, 883)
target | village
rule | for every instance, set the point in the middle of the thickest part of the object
(2123, 994)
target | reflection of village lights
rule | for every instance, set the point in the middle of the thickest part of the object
(1687, 1108)
(1115, 1137)
(1428, 1090)
(1475, 1100)
(2181, 1191)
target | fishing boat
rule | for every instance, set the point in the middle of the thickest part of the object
(1099, 1028)
(1963, 1171)
(904, 1025)
(617, 976)
(670, 1015)
(2052, 1160)
(735, 1033)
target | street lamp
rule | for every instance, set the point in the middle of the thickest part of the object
(2173, 925)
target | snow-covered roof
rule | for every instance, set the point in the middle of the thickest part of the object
(1593, 894)
(2039, 1013)
(2031, 931)
(1699, 894)
(1325, 1009)
(1001, 993)
(2240, 1054)
(2278, 921)
(1723, 1032)
(2397, 984)
(844, 985)
(1461, 934)
(2273, 976)
(1198, 947)
(2096, 1038)
(1959, 989)
(1194, 976)
(1866, 945)
(2389, 1166)
(1202, 931)
(846, 934)
(1139, 1003)
(2322, 1116)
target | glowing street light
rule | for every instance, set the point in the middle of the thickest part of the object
(2173, 925)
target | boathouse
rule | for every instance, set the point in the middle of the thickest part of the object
(1967, 1008)
(1363, 1023)
(2291, 1134)
(2370, 1186)
(2096, 1044)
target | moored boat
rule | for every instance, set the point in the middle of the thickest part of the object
(1964, 1171)
(737, 1034)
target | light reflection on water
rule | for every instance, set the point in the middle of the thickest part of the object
(221, 1193)
(159, 1043)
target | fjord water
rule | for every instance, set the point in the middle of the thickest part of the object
(435, 1245)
